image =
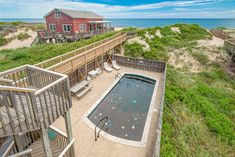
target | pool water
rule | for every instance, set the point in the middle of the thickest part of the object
(126, 106)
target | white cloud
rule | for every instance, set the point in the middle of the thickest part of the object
(38, 8)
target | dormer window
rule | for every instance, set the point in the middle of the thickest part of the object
(57, 14)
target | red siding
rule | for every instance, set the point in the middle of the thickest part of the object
(50, 19)
(74, 22)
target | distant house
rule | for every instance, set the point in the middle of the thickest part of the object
(74, 21)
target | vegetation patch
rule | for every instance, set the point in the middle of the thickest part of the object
(38, 53)
(203, 121)
(186, 36)
(23, 36)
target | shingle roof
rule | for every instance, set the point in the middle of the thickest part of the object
(77, 13)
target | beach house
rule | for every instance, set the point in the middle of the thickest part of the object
(74, 21)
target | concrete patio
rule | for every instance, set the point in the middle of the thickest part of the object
(85, 145)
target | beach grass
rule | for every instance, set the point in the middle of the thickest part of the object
(10, 58)
(203, 121)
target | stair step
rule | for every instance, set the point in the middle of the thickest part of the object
(38, 150)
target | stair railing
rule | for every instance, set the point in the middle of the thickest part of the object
(97, 134)
(7, 147)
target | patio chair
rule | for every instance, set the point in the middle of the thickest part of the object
(107, 67)
(98, 70)
(114, 64)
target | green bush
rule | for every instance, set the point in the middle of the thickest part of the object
(133, 50)
(3, 41)
(23, 36)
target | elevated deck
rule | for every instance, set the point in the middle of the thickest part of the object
(31, 98)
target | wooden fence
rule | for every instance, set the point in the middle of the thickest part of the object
(229, 45)
(143, 64)
(220, 34)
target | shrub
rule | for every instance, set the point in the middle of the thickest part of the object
(23, 36)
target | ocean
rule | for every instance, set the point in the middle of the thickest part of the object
(206, 23)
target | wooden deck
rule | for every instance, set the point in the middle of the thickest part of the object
(35, 99)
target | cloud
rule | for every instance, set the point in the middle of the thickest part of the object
(38, 8)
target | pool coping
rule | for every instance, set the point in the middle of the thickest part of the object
(151, 109)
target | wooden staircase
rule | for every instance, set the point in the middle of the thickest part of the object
(38, 151)
(31, 99)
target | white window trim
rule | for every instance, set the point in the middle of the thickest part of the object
(67, 25)
(57, 13)
(52, 24)
(83, 27)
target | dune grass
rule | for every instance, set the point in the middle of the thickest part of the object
(10, 58)
(159, 47)
(204, 121)
(23, 36)
(204, 102)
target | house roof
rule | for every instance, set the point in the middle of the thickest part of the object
(76, 13)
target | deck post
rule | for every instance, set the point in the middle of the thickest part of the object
(46, 143)
(18, 143)
(68, 125)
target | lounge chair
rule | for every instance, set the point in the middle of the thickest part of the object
(115, 66)
(107, 67)
(98, 70)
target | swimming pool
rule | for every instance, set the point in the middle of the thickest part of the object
(126, 104)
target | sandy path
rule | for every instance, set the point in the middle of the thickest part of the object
(215, 41)
(15, 43)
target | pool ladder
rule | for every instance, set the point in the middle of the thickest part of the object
(97, 134)
(118, 75)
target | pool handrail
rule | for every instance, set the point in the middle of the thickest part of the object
(118, 75)
(104, 118)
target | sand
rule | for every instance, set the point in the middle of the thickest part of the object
(158, 33)
(138, 40)
(215, 41)
(175, 29)
(15, 43)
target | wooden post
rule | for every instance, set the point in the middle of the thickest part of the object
(46, 143)
(69, 131)
(18, 143)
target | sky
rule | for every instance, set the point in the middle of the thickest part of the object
(122, 8)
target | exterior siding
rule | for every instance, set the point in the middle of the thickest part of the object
(50, 19)
(74, 22)
(77, 22)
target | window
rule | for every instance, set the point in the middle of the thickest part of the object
(57, 14)
(66, 28)
(82, 27)
(52, 27)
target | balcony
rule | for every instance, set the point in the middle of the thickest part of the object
(31, 98)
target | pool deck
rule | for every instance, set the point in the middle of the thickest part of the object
(85, 145)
